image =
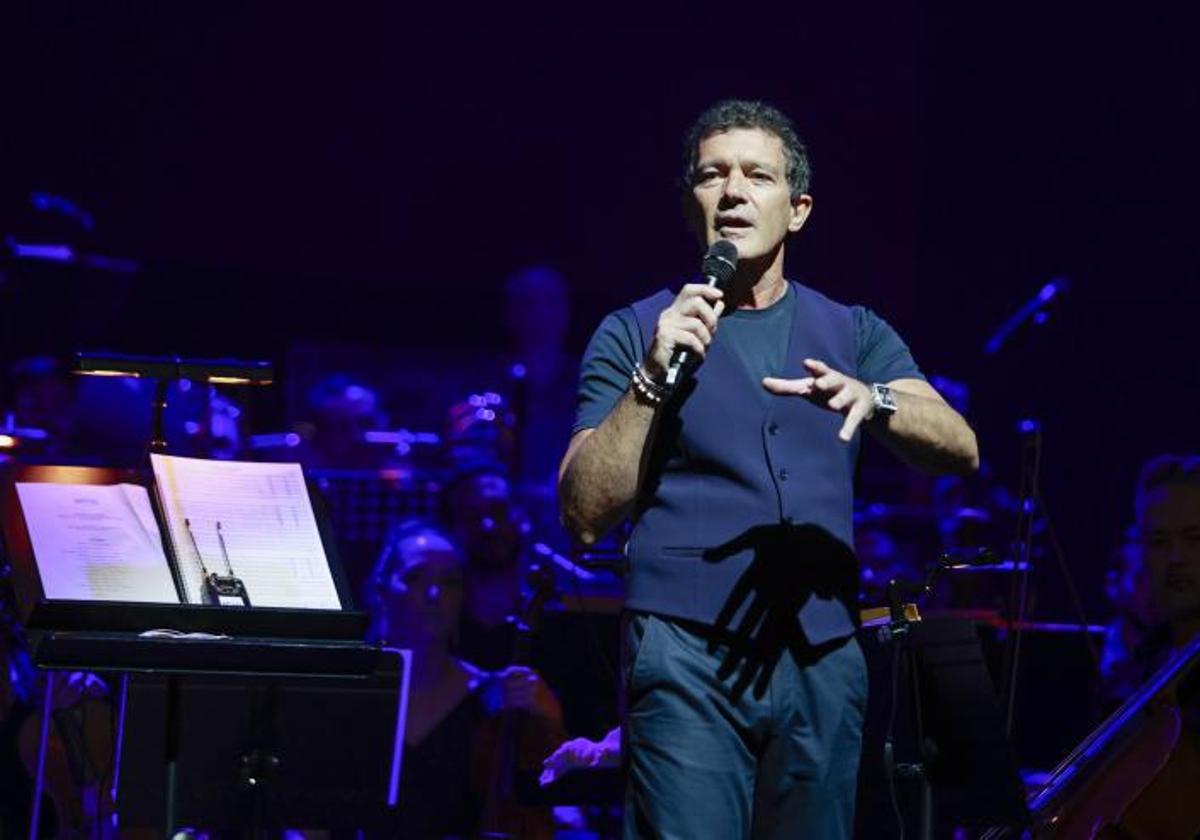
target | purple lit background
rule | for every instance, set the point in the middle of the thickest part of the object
(369, 175)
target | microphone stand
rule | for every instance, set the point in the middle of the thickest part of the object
(1031, 509)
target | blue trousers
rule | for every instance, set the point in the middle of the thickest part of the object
(708, 758)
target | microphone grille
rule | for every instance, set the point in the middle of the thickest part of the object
(720, 261)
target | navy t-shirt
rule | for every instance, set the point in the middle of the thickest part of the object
(757, 337)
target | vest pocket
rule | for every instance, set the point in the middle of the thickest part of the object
(688, 551)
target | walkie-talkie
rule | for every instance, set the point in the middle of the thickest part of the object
(225, 590)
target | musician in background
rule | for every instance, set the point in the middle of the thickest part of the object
(483, 518)
(222, 428)
(16, 705)
(341, 412)
(522, 412)
(480, 428)
(78, 752)
(1158, 591)
(41, 399)
(415, 597)
(542, 376)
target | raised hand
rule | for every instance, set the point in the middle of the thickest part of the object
(829, 389)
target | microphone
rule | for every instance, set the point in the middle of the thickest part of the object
(1035, 310)
(720, 262)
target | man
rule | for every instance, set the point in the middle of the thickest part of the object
(1158, 589)
(540, 377)
(478, 509)
(745, 689)
(1168, 530)
(341, 412)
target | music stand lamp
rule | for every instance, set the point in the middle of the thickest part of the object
(163, 370)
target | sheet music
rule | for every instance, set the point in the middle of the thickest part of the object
(96, 542)
(267, 523)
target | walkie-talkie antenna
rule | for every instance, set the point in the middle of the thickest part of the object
(187, 523)
(224, 550)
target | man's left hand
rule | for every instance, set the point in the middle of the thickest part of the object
(829, 389)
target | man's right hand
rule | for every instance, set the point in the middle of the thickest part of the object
(689, 323)
(600, 474)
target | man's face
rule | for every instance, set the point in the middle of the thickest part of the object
(486, 522)
(740, 192)
(1169, 524)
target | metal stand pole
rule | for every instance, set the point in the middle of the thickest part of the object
(39, 783)
(158, 442)
(172, 752)
(118, 751)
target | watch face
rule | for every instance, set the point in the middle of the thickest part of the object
(883, 398)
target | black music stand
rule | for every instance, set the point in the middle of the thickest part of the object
(948, 760)
(271, 655)
(265, 751)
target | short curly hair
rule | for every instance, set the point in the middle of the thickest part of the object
(746, 113)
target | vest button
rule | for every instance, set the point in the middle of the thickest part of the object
(783, 474)
(773, 429)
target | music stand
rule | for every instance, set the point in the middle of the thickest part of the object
(268, 644)
(948, 734)
(266, 751)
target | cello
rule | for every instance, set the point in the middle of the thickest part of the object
(79, 755)
(511, 741)
(1137, 775)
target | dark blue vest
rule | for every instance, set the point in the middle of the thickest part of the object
(729, 464)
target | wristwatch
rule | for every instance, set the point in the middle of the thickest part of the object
(884, 401)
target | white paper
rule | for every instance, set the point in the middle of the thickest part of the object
(96, 542)
(267, 523)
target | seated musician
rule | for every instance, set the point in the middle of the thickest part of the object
(1160, 575)
(416, 597)
(483, 518)
(341, 411)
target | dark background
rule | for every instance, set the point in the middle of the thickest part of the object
(369, 173)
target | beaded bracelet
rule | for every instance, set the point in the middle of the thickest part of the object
(647, 388)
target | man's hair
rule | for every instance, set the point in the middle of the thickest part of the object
(1166, 470)
(744, 113)
(461, 475)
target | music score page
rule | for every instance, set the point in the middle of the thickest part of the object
(270, 533)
